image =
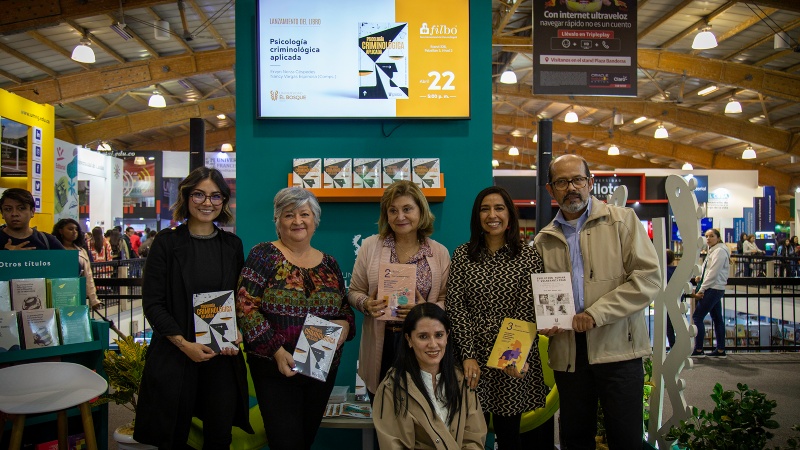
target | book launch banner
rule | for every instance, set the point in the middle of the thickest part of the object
(584, 47)
(363, 59)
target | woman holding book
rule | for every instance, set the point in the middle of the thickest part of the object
(425, 402)
(404, 226)
(183, 378)
(69, 233)
(282, 282)
(490, 279)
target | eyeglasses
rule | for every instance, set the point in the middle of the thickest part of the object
(200, 198)
(578, 182)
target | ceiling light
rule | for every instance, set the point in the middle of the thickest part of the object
(639, 120)
(749, 153)
(536, 137)
(733, 107)
(103, 147)
(495, 163)
(83, 53)
(226, 147)
(704, 39)
(508, 77)
(221, 116)
(157, 101)
(571, 117)
(707, 90)
(533, 167)
(139, 161)
(613, 150)
(513, 151)
(687, 166)
(661, 132)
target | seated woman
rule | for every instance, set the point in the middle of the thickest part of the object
(440, 405)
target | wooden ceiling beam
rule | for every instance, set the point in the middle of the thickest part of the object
(90, 114)
(677, 115)
(125, 77)
(740, 27)
(175, 36)
(95, 41)
(213, 139)
(699, 157)
(699, 24)
(28, 60)
(153, 53)
(778, 4)
(150, 119)
(210, 27)
(10, 76)
(526, 147)
(56, 48)
(660, 21)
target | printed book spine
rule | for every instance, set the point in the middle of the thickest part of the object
(39, 328)
(73, 322)
(316, 347)
(9, 331)
(28, 293)
(63, 292)
(215, 320)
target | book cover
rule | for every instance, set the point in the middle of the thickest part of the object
(552, 296)
(9, 331)
(63, 292)
(5, 296)
(306, 172)
(356, 410)
(397, 286)
(383, 60)
(215, 319)
(73, 323)
(425, 172)
(367, 173)
(28, 293)
(396, 169)
(39, 328)
(513, 344)
(338, 173)
(316, 346)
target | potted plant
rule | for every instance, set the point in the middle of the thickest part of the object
(124, 372)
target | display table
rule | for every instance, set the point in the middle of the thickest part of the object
(347, 422)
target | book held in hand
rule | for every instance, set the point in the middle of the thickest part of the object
(397, 287)
(215, 320)
(513, 344)
(552, 295)
(316, 346)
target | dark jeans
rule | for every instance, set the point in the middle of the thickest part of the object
(216, 407)
(711, 303)
(617, 385)
(292, 407)
(506, 430)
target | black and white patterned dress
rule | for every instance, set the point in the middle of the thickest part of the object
(479, 296)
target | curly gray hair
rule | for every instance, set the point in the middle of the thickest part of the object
(292, 198)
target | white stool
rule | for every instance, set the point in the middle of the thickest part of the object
(46, 387)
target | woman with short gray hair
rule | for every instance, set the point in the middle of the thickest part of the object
(293, 198)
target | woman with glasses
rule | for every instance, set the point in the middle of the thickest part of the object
(282, 282)
(183, 378)
(490, 279)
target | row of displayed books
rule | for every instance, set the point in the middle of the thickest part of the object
(44, 327)
(369, 173)
(39, 312)
(38, 293)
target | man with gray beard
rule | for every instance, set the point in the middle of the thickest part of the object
(615, 275)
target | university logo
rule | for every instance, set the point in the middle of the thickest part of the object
(273, 95)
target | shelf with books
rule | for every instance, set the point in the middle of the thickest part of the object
(364, 195)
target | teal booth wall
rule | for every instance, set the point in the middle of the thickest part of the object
(265, 148)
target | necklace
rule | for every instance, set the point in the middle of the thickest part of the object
(205, 236)
(405, 254)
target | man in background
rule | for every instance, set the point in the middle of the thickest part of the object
(134, 241)
(615, 275)
(18, 207)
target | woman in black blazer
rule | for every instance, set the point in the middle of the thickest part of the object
(183, 378)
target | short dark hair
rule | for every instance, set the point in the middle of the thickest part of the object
(406, 363)
(477, 243)
(180, 209)
(399, 189)
(19, 195)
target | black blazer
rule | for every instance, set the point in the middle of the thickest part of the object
(167, 291)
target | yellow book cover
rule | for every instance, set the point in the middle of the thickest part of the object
(513, 343)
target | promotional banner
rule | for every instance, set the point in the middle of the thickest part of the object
(738, 228)
(65, 174)
(604, 186)
(585, 47)
(749, 220)
(363, 59)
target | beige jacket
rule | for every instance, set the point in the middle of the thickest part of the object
(364, 282)
(421, 428)
(621, 278)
